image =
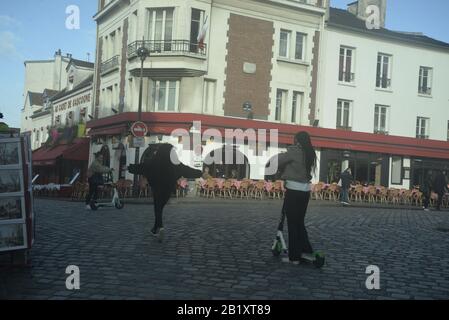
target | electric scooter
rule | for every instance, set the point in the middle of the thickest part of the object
(114, 203)
(279, 246)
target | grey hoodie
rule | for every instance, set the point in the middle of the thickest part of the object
(293, 165)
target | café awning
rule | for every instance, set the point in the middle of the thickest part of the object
(77, 151)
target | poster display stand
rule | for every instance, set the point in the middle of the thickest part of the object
(16, 198)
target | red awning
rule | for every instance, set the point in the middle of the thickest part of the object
(78, 151)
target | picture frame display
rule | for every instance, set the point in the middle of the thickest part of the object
(12, 237)
(12, 208)
(11, 181)
(10, 153)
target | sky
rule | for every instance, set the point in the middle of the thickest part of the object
(34, 30)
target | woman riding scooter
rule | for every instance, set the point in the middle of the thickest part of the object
(95, 178)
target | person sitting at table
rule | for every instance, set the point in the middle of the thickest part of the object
(206, 175)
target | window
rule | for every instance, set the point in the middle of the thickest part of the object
(396, 170)
(37, 143)
(422, 128)
(284, 44)
(381, 119)
(345, 73)
(160, 28)
(195, 27)
(343, 114)
(300, 44)
(280, 99)
(165, 95)
(296, 106)
(209, 95)
(290, 50)
(383, 75)
(425, 81)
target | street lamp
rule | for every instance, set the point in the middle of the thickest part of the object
(142, 53)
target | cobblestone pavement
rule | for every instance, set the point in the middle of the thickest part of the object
(221, 250)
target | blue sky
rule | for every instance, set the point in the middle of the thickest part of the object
(34, 30)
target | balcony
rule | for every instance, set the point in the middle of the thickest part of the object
(110, 65)
(348, 77)
(169, 59)
(346, 128)
(383, 83)
(168, 48)
(422, 136)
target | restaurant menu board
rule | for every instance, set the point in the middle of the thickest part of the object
(15, 203)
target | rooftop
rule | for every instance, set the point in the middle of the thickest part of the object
(344, 19)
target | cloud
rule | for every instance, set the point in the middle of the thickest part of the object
(8, 45)
(8, 22)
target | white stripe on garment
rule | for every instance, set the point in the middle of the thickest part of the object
(298, 186)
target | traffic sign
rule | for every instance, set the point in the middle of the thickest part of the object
(139, 129)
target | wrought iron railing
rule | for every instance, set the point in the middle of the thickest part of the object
(425, 90)
(383, 82)
(346, 77)
(167, 47)
(110, 65)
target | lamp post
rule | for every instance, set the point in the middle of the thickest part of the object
(142, 53)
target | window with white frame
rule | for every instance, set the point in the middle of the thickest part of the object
(383, 74)
(165, 95)
(346, 66)
(210, 87)
(196, 23)
(296, 106)
(160, 28)
(281, 96)
(381, 119)
(284, 43)
(38, 139)
(292, 48)
(344, 114)
(425, 80)
(422, 128)
(300, 46)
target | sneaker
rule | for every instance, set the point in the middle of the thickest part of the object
(426, 209)
(161, 234)
(88, 207)
(158, 233)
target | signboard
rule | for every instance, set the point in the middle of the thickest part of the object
(139, 129)
(138, 142)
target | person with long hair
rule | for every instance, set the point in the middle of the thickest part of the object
(296, 167)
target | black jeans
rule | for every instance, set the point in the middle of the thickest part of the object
(295, 206)
(93, 192)
(440, 199)
(161, 197)
(426, 200)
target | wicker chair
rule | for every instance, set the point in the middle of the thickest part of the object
(245, 189)
(209, 188)
(358, 193)
(318, 191)
(259, 190)
(332, 192)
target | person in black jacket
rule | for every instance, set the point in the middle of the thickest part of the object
(427, 190)
(162, 170)
(440, 187)
(346, 180)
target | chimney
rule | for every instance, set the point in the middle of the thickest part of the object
(58, 53)
(358, 8)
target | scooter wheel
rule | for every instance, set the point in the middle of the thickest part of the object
(276, 253)
(119, 205)
(277, 250)
(93, 206)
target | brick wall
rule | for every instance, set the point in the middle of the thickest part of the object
(249, 40)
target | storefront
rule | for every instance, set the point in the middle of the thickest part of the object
(374, 159)
(367, 168)
(60, 164)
